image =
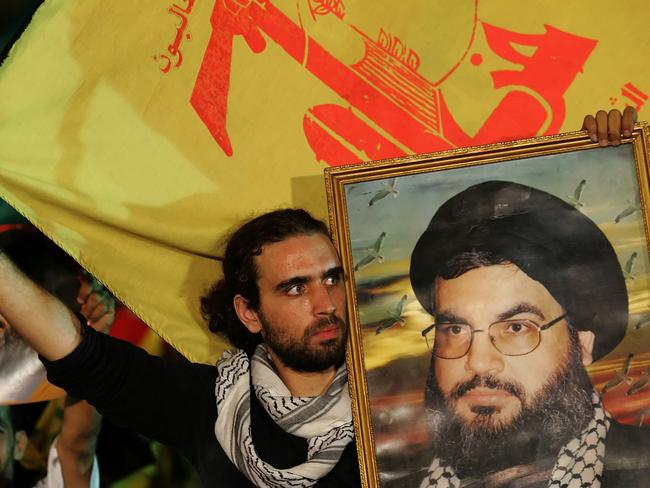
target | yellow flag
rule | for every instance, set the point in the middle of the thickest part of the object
(135, 134)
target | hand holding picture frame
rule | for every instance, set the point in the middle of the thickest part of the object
(499, 304)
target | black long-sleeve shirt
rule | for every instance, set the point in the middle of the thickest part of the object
(174, 403)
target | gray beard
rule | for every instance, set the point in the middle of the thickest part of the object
(559, 413)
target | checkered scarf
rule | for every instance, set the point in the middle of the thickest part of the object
(325, 421)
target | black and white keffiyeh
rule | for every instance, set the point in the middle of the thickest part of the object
(579, 463)
(325, 421)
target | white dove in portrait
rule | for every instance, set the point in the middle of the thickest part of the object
(388, 188)
(395, 317)
(575, 199)
(372, 253)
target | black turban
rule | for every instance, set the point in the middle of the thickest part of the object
(545, 237)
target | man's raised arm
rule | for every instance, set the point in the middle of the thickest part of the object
(41, 319)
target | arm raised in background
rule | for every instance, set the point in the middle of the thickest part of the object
(77, 442)
(41, 319)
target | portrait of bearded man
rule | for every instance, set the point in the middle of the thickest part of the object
(526, 292)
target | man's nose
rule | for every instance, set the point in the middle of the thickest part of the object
(322, 302)
(482, 357)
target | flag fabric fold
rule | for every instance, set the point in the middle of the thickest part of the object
(137, 134)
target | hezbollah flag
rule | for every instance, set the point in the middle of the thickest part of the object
(135, 134)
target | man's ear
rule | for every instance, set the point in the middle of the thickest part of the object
(20, 444)
(247, 315)
(586, 339)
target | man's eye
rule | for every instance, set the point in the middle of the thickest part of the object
(451, 329)
(518, 328)
(296, 290)
(332, 280)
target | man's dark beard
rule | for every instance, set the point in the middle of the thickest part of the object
(300, 355)
(558, 414)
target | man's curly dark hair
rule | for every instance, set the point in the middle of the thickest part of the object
(240, 272)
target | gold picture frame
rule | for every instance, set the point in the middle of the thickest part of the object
(378, 209)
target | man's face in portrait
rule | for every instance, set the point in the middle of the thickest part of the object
(485, 401)
(302, 302)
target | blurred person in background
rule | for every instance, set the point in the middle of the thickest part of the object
(71, 459)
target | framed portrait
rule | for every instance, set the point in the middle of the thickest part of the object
(499, 313)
